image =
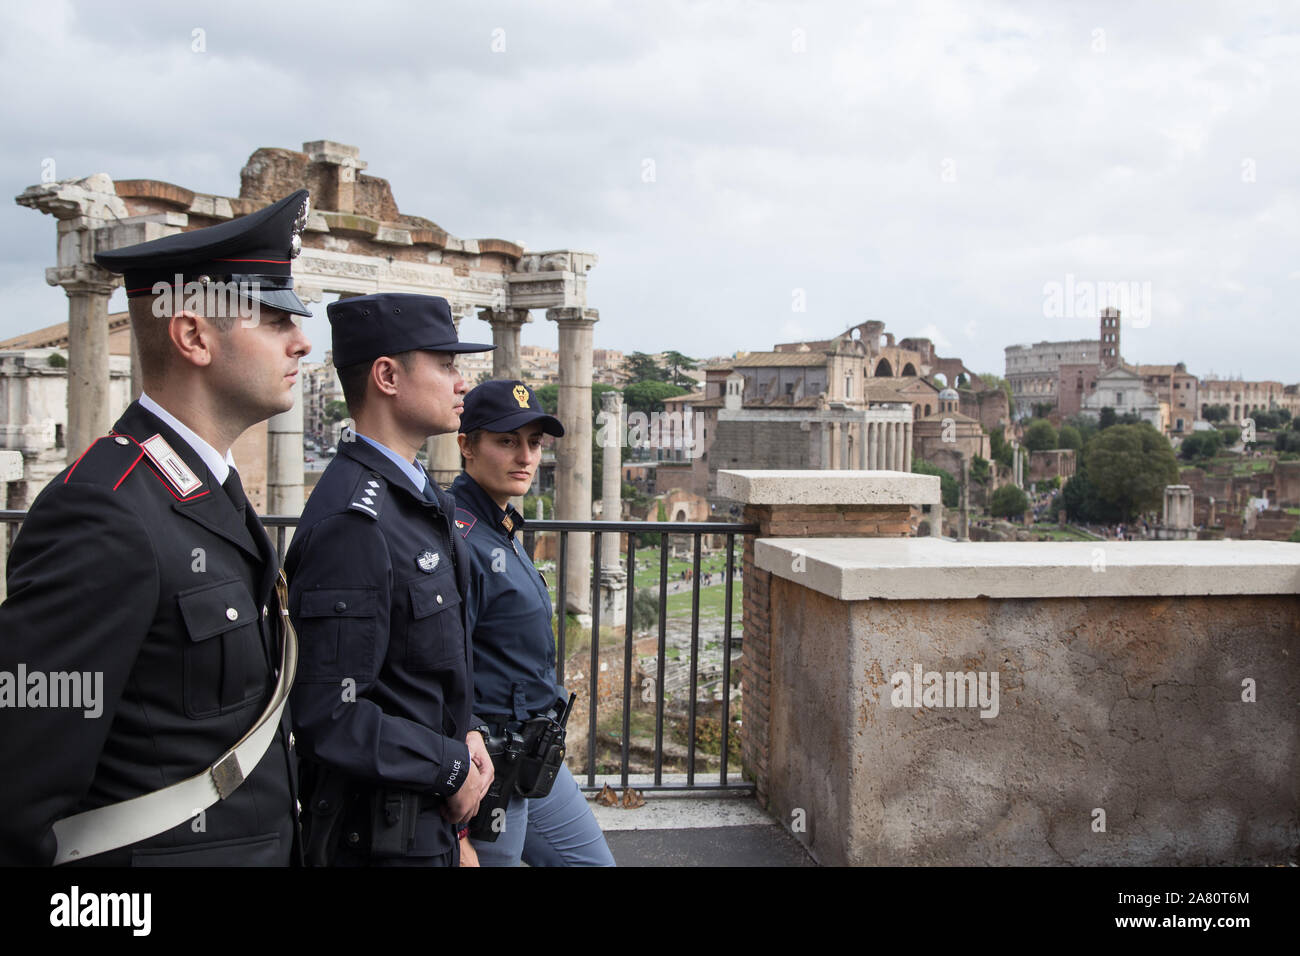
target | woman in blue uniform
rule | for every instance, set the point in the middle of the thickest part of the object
(508, 614)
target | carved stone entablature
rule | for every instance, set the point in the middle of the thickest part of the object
(558, 260)
(93, 197)
(543, 290)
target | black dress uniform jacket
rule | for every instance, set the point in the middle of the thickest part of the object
(384, 685)
(171, 596)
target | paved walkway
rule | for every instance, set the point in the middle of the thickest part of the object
(696, 830)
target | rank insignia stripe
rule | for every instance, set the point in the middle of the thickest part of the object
(171, 466)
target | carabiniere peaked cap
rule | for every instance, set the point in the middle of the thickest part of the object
(365, 327)
(254, 251)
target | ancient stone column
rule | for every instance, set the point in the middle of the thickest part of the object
(611, 403)
(964, 533)
(85, 209)
(573, 451)
(284, 479)
(444, 450)
(613, 579)
(907, 447)
(88, 288)
(880, 445)
(824, 430)
(506, 324)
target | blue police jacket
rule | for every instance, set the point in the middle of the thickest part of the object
(507, 613)
(383, 689)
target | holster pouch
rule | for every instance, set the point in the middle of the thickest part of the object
(543, 756)
(326, 798)
(393, 815)
(506, 751)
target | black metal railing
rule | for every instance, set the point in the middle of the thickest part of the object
(279, 527)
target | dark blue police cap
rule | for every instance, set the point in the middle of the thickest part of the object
(502, 405)
(254, 251)
(367, 326)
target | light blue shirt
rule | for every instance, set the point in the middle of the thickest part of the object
(409, 469)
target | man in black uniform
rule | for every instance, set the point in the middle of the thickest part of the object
(142, 575)
(382, 703)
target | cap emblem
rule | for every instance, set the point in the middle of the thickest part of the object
(299, 224)
(521, 395)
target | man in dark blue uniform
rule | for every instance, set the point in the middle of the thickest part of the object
(142, 576)
(382, 703)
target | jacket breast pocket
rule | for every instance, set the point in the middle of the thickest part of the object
(225, 664)
(336, 634)
(435, 638)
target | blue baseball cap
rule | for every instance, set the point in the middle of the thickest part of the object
(502, 405)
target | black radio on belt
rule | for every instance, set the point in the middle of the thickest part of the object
(526, 758)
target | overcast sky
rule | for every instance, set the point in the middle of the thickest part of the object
(747, 172)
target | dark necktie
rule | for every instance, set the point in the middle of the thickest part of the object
(429, 494)
(234, 489)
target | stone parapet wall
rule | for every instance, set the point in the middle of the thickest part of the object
(1121, 735)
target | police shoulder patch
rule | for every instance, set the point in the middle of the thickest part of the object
(464, 521)
(369, 494)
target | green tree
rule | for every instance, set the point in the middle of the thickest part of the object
(980, 470)
(645, 610)
(57, 360)
(1231, 434)
(999, 447)
(1069, 437)
(1216, 413)
(549, 396)
(993, 381)
(678, 363)
(1042, 409)
(1040, 435)
(336, 411)
(643, 368)
(1200, 445)
(1130, 466)
(649, 396)
(1086, 427)
(1008, 502)
(1106, 419)
(947, 483)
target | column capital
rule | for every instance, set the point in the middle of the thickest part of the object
(82, 279)
(507, 318)
(573, 315)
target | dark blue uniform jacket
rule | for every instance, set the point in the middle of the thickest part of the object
(508, 611)
(384, 682)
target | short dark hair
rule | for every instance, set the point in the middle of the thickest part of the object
(353, 378)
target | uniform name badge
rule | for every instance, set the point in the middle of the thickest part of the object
(171, 465)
